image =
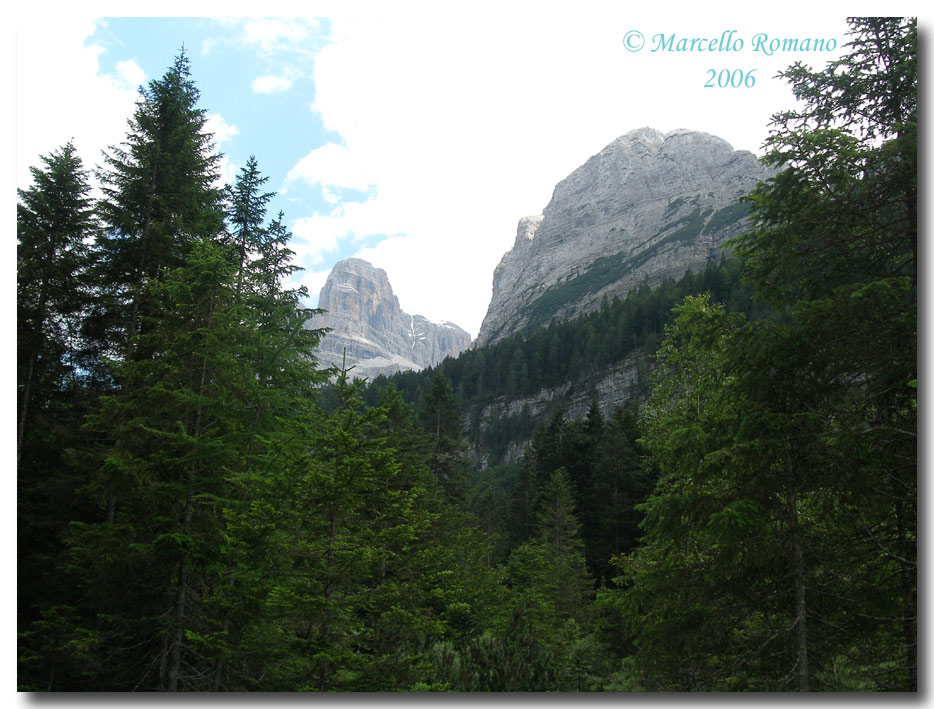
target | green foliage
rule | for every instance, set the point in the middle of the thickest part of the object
(441, 418)
(609, 269)
(727, 215)
(609, 474)
(159, 200)
(780, 541)
(198, 512)
(54, 220)
(567, 354)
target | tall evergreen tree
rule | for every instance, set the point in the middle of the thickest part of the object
(835, 240)
(53, 221)
(621, 480)
(559, 534)
(715, 588)
(441, 418)
(549, 598)
(54, 388)
(160, 198)
(247, 214)
(212, 359)
(787, 447)
(524, 500)
(171, 432)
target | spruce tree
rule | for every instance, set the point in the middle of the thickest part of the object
(54, 391)
(53, 221)
(209, 354)
(441, 419)
(620, 482)
(247, 214)
(787, 446)
(160, 198)
(175, 431)
(835, 241)
(559, 534)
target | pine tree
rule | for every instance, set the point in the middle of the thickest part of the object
(441, 418)
(280, 380)
(363, 569)
(54, 392)
(53, 221)
(524, 501)
(835, 242)
(786, 446)
(620, 481)
(159, 200)
(213, 359)
(246, 215)
(550, 598)
(687, 596)
(559, 534)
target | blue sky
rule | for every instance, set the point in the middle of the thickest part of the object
(415, 139)
(225, 67)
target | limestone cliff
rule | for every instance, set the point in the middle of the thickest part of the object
(377, 335)
(648, 206)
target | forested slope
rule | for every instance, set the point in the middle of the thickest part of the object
(199, 511)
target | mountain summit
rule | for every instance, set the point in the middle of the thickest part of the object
(649, 206)
(367, 322)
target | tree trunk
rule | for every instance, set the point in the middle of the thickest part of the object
(27, 392)
(30, 371)
(182, 588)
(163, 661)
(145, 240)
(328, 592)
(175, 658)
(797, 571)
(801, 628)
(908, 583)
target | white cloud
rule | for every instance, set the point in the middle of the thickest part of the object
(271, 84)
(131, 73)
(58, 76)
(221, 129)
(315, 237)
(314, 282)
(227, 172)
(320, 235)
(274, 34)
(332, 165)
(464, 125)
(222, 132)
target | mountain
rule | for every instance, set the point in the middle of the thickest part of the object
(377, 335)
(649, 206)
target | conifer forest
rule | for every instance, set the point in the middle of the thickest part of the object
(201, 507)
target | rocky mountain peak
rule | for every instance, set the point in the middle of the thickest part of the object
(358, 292)
(368, 324)
(648, 206)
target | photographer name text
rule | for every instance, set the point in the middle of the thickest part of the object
(729, 42)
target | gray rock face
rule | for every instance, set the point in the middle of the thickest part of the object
(377, 335)
(610, 389)
(648, 206)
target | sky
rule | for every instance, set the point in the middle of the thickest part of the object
(415, 139)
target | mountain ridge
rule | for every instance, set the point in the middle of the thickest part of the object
(650, 205)
(370, 334)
